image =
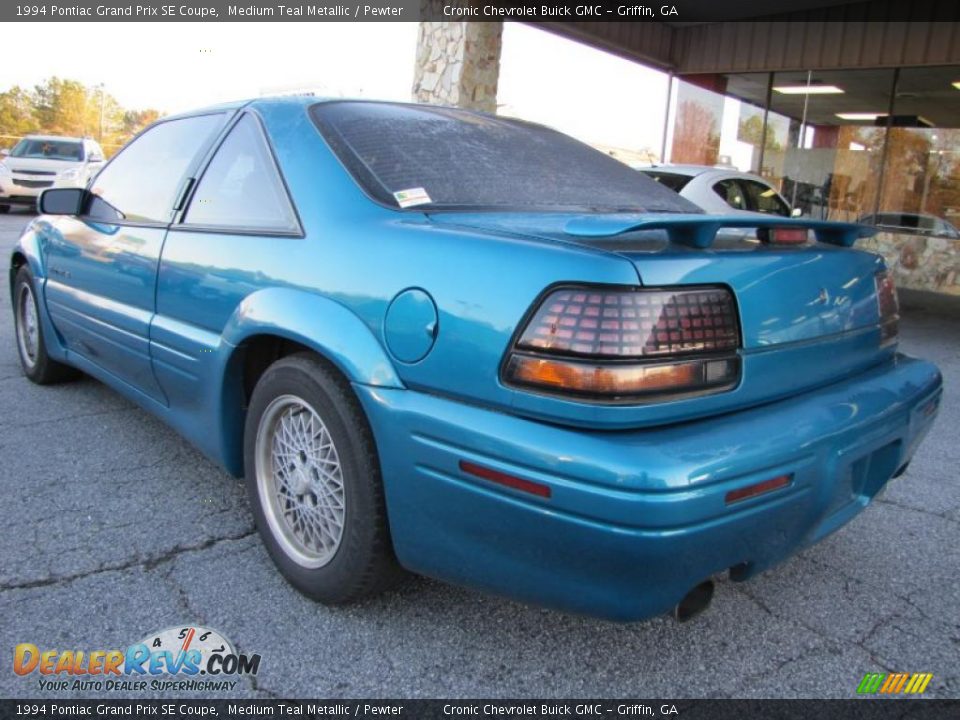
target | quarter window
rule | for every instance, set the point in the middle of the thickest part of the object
(141, 183)
(242, 188)
(732, 194)
(764, 199)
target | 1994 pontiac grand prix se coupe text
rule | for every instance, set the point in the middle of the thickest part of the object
(476, 349)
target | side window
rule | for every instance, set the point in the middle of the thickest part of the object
(731, 193)
(141, 183)
(241, 188)
(764, 199)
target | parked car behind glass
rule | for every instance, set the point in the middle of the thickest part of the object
(474, 348)
(915, 223)
(41, 161)
(720, 190)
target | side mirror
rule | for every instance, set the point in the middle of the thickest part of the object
(61, 201)
(796, 212)
(4, 152)
(96, 158)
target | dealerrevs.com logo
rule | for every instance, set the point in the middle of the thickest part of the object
(179, 658)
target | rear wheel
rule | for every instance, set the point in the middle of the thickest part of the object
(31, 346)
(313, 479)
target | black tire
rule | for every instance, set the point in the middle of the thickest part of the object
(40, 368)
(363, 563)
(4, 209)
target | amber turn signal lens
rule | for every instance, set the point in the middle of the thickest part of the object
(616, 380)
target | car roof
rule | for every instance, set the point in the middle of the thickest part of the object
(308, 100)
(302, 100)
(54, 137)
(695, 170)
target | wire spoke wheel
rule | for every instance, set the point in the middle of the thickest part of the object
(300, 481)
(28, 329)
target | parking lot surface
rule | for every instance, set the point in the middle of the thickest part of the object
(115, 527)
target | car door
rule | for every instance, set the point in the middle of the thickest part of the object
(102, 265)
(239, 233)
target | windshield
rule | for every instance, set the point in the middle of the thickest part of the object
(48, 149)
(445, 158)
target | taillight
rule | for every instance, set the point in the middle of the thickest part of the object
(889, 307)
(625, 344)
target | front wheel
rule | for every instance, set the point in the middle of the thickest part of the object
(313, 480)
(31, 345)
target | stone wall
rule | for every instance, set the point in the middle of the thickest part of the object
(458, 63)
(918, 262)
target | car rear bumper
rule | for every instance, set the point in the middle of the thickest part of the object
(635, 519)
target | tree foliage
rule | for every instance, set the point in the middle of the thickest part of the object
(60, 106)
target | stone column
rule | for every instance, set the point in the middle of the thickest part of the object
(458, 63)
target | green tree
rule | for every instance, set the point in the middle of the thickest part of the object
(750, 130)
(17, 115)
(60, 106)
(135, 120)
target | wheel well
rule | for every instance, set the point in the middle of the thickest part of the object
(16, 262)
(244, 370)
(259, 353)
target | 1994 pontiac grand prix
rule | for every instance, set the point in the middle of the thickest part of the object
(474, 348)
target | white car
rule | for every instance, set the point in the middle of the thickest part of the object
(721, 191)
(38, 162)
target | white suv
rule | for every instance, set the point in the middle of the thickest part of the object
(41, 161)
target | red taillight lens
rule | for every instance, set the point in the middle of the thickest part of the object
(634, 323)
(622, 344)
(889, 307)
(760, 488)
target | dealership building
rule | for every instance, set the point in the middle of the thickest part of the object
(850, 115)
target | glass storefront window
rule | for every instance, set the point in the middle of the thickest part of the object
(830, 167)
(921, 181)
(710, 127)
(697, 122)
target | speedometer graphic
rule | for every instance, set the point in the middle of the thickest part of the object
(180, 640)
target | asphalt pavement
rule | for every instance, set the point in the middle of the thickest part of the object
(115, 527)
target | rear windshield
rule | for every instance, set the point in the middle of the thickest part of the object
(48, 149)
(671, 180)
(445, 158)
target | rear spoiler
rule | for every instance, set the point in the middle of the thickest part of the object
(699, 230)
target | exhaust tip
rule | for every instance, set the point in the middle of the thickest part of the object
(694, 602)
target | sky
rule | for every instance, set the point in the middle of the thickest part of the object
(587, 93)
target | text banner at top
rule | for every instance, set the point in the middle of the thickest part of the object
(466, 10)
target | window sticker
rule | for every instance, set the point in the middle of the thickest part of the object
(411, 197)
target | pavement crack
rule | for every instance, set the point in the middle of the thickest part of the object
(922, 511)
(61, 418)
(146, 563)
(829, 641)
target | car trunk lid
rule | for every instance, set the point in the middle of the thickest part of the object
(785, 293)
